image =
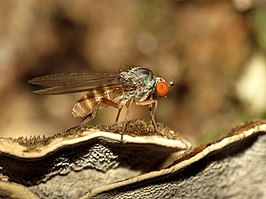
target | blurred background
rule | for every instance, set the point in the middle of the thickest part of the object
(213, 50)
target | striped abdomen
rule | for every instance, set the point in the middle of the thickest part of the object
(91, 102)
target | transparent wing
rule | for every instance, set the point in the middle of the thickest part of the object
(74, 82)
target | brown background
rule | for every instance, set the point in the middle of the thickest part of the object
(209, 48)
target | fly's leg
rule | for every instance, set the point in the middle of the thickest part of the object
(87, 118)
(104, 101)
(152, 110)
(118, 114)
(109, 103)
(92, 115)
(130, 102)
(112, 104)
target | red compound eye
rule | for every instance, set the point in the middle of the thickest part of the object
(162, 89)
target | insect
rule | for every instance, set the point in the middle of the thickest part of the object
(136, 85)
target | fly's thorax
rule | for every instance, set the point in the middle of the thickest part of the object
(143, 78)
(139, 76)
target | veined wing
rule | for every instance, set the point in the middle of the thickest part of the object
(74, 82)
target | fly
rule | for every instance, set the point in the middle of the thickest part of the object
(137, 85)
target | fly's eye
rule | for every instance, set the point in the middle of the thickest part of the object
(162, 89)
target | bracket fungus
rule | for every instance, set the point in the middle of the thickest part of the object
(70, 164)
(93, 162)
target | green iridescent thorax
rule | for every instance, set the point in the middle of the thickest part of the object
(143, 78)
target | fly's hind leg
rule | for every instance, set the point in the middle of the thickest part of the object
(129, 104)
(102, 101)
(152, 110)
(112, 104)
(118, 114)
(90, 116)
(87, 118)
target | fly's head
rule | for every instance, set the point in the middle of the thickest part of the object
(162, 87)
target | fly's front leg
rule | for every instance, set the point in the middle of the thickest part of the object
(152, 109)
